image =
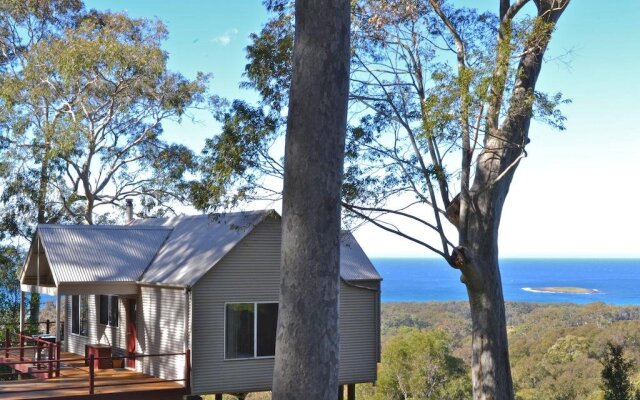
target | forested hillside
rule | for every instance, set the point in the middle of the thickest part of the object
(556, 349)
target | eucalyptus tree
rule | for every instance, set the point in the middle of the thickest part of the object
(84, 104)
(24, 182)
(441, 101)
(307, 342)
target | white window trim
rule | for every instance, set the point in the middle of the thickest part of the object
(255, 330)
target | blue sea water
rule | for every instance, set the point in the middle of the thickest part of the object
(617, 280)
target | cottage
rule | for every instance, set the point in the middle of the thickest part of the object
(205, 283)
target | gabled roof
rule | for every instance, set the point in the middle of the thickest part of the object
(169, 251)
(89, 253)
(354, 263)
(196, 244)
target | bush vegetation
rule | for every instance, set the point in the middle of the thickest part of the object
(558, 352)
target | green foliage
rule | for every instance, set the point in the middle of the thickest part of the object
(418, 364)
(615, 374)
(228, 169)
(10, 261)
(83, 101)
(556, 350)
(410, 102)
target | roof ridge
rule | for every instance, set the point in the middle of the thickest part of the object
(105, 227)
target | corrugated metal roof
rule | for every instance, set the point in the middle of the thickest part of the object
(90, 253)
(172, 251)
(354, 263)
(196, 244)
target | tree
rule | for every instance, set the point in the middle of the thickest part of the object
(10, 291)
(418, 364)
(615, 374)
(441, 101)
(25, 185)
(307, 343)
(84, 102)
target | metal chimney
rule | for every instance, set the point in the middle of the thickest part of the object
(128, 218)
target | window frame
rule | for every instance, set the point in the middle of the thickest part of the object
(109, 304)
(255, 330)
(77, 329)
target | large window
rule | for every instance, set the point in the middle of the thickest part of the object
(80, 315)
(109, 310)
(250, 330)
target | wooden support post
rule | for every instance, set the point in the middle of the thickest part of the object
(340, 392)
(21, 346)
(91, 373)
(187, 370)
(48, 323)
(21, 328)
(58, 311)
(351, 391)
(57, 360)
(50, 362)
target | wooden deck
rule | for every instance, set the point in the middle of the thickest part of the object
(73, 384)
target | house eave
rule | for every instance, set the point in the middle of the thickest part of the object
(98, 287)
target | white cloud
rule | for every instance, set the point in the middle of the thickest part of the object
(226, 38)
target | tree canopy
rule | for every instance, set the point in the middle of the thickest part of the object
(418, 364)
(83, 100)
(441, 102)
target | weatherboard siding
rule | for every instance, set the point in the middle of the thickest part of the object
(359, 334)
(161, 312)
(116, 337)
(251, 273)
(248, 273)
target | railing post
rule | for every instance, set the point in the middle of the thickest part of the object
(50, 362)
(21, 346)
(57, 360)
(187, 371)
(91, 373)
(48, 324)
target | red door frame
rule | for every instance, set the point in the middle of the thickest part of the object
(132, 332)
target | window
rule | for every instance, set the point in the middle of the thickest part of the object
(250, 330)
(80, 315)
(109, 310)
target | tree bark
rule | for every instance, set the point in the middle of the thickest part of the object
(307, 345)
(477, 255)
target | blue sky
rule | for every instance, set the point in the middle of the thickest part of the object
(577, 193)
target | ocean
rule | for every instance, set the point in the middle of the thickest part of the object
(617, 281)
(425, 279)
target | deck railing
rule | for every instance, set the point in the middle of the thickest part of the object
(38, 345)
(47, 327)
(91, 361)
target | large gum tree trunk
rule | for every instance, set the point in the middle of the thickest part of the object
(481, 209)
(307, 344)
(490, 368)
(491, 371)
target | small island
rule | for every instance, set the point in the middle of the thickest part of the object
(563, 290)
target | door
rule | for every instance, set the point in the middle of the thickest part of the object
(132, 331)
